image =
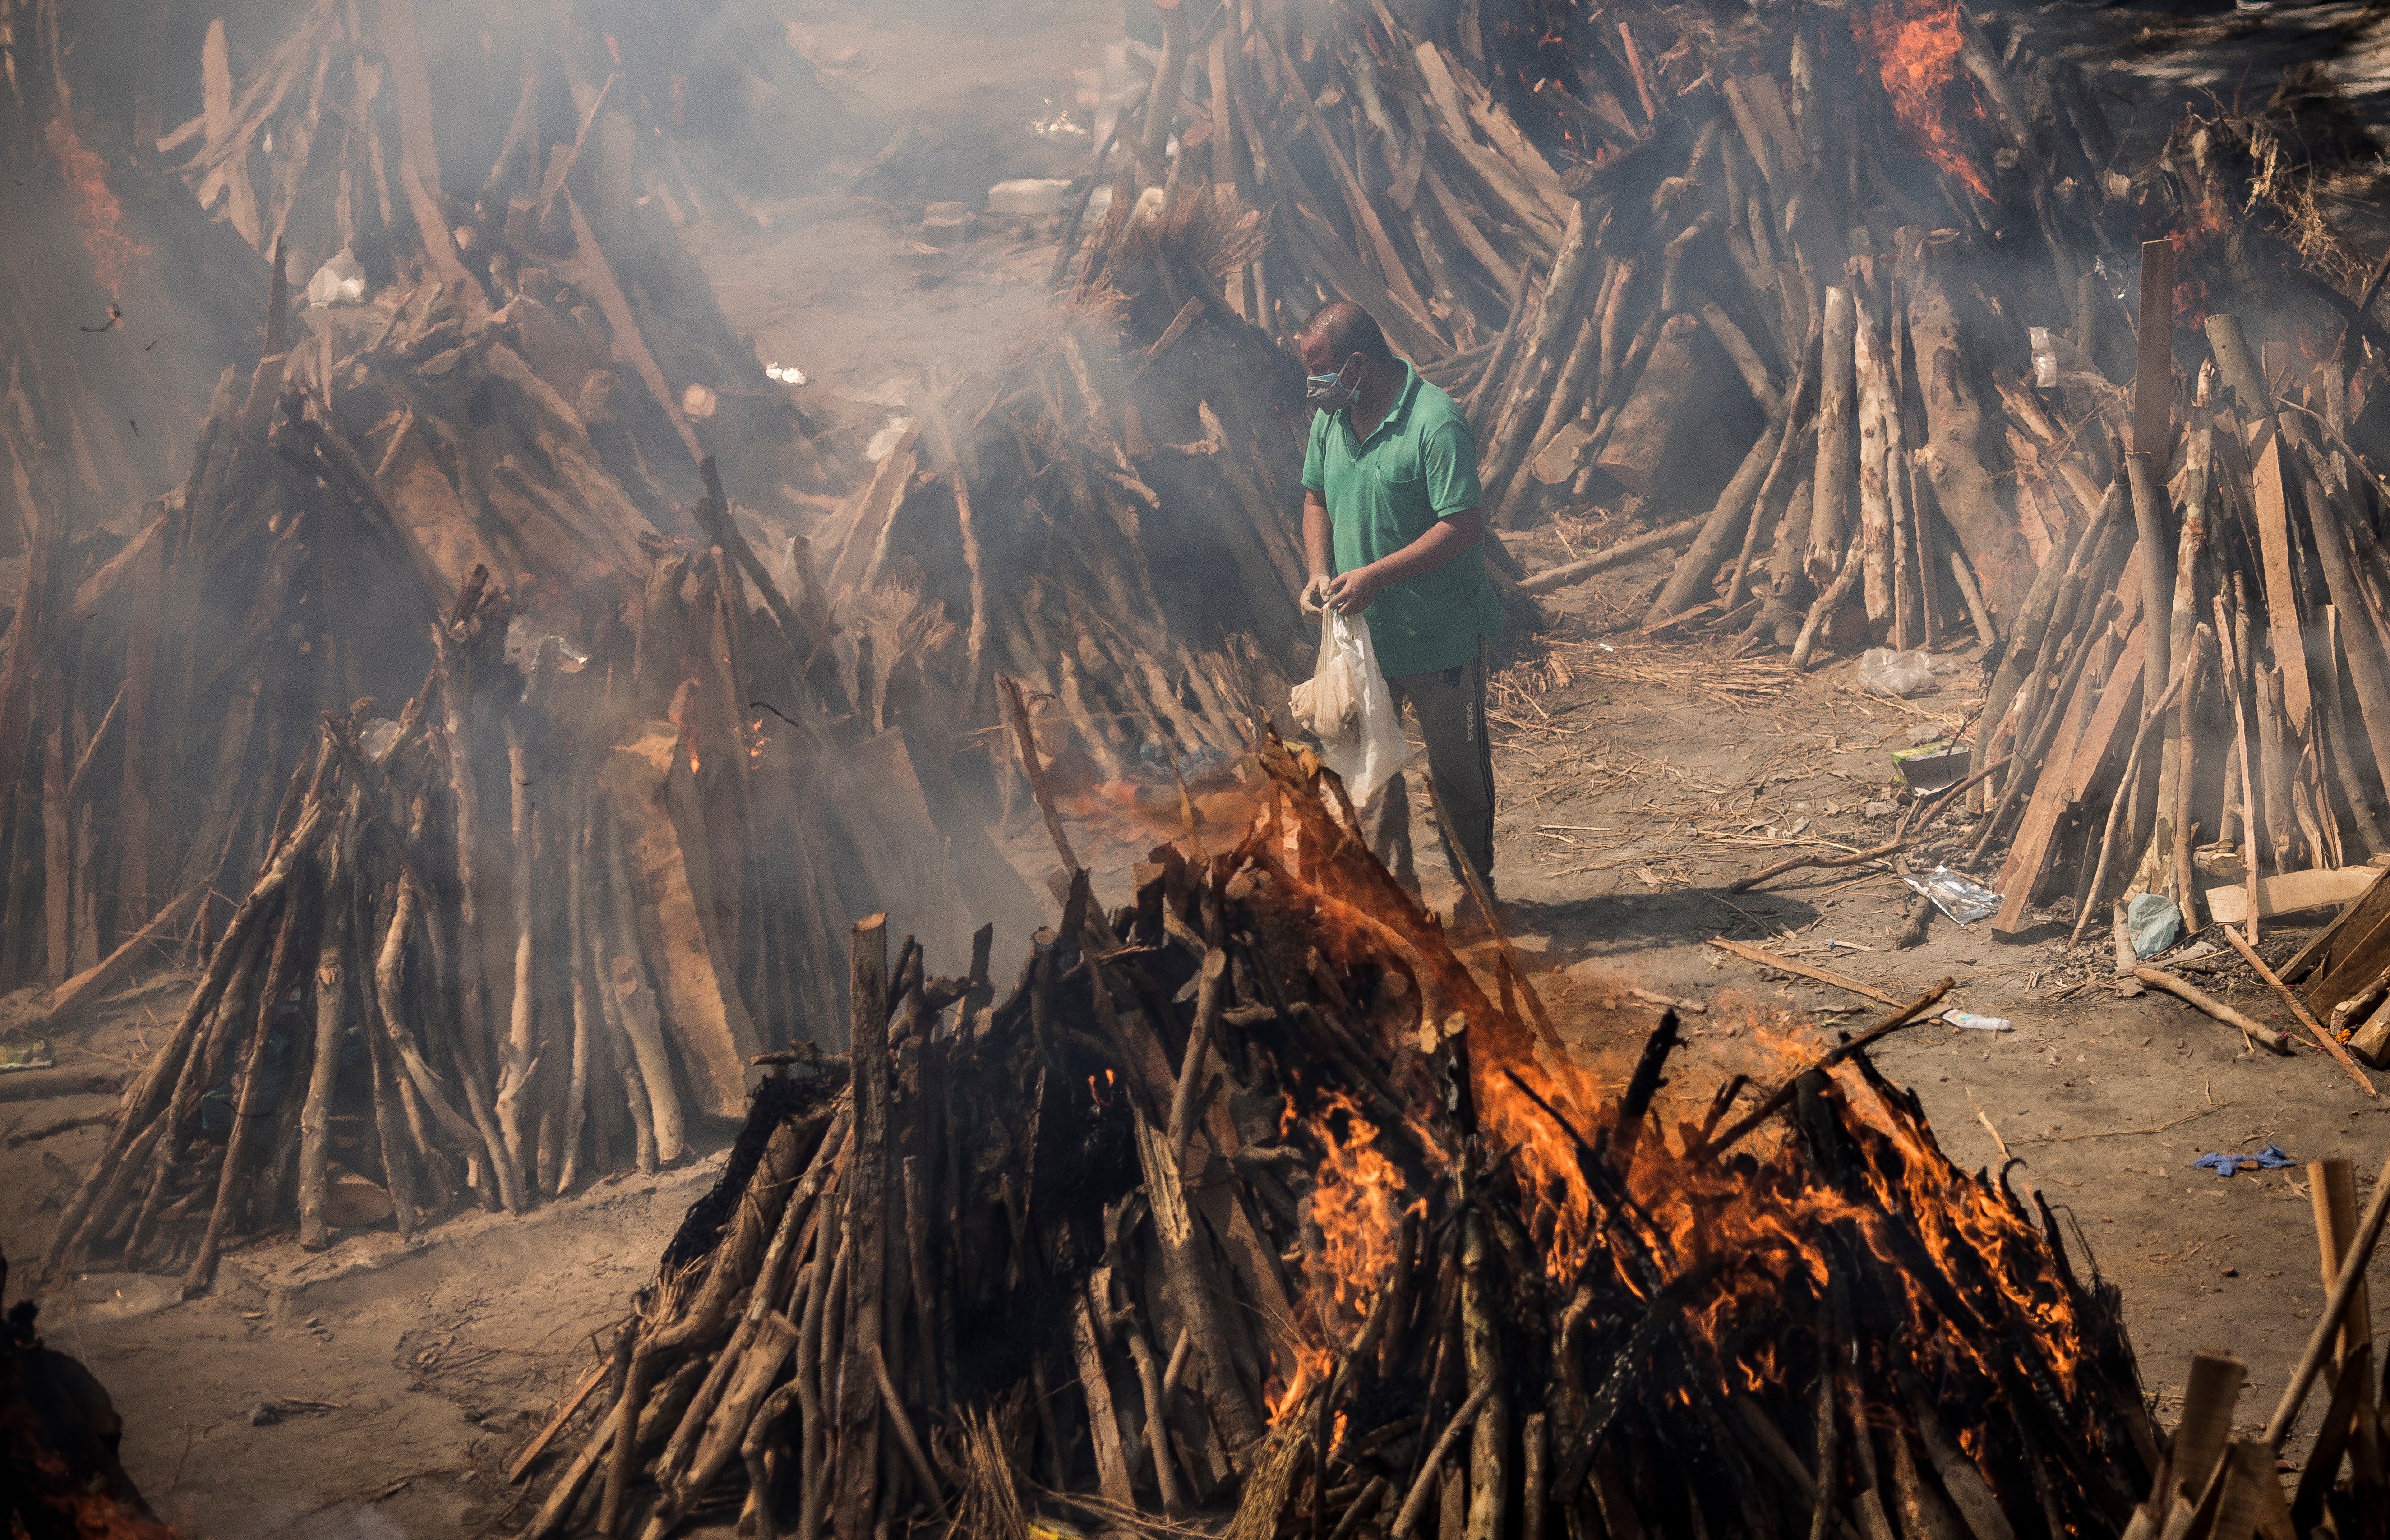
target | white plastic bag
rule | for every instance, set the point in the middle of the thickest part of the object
(1884, 671)
(340, 281)
(1345, 703)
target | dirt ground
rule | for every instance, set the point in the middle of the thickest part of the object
(379, 1390)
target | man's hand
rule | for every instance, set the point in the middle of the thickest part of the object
(1315, 593)
(1350, 593)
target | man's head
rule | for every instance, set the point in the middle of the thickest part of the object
(1339, 332)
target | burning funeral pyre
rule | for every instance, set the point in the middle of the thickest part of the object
(1247, 1196)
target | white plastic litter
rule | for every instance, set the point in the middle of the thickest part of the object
(1962, 898)
(2055, 356)
(1345, 704)
(1035, 195)
(1978, 1023)
(1884, 671)
(340, 281)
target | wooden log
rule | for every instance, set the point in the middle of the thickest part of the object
(473, 993)
(1738, 349)
(1837, 408)
(1737, 505)
(1541, 352)
(2274, 775)
(1531, 210)
(1879, 430)
(1956, 456)
(623, 994)
(390, 1137)
(670, 893)
(1845, 583)
(95, 981)
(2186, 886)
(2270, 510)
(2206, 1005)
(316, 1118)
(1554, 578)
(2157, 869)
(518, 1053)
(857, 1476)
(2033, 620)
(1423, 1486)
(2362, 640)
(813, 1446)
(2229, 640)
(2299, 1010)
(2157, 584)
(1189, 1275)
(2153, 361)
(2034, 747)
(246, 1112)
(1103, 1419)
(2321, 1342)
(2114, 834)
(2331, 1193)
(2061, 787)
(1972, 595)
(1659, 426)
(1608, 383)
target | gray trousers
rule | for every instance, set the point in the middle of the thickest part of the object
(1450, 708)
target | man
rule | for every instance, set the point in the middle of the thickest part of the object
(1392, 529)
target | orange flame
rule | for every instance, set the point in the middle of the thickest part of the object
(1915, 47)
(96, 206)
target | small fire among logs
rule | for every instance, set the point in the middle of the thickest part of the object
(1248, 1201)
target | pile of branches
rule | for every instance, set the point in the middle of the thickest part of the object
(1248, 1203)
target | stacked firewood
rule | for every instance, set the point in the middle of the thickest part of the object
(1894, 244)
(541, 410)
(328, 143)
(1248, 1200)
(1110, 516)
(2233, 585)
(533, 924)
(1767, 269)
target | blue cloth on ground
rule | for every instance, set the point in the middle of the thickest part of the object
(2268, 1158)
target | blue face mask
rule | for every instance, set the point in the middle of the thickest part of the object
(1323, 392)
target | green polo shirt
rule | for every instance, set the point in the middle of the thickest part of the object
(1384, 492)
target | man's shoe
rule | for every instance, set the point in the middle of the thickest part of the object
(1471, 923)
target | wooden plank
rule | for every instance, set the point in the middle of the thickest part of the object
(2199, 1439)
(2290, 892)
(2281, 594)
(2347, 955)
(2067, 779)
(1103, 1419)
(668, 875)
